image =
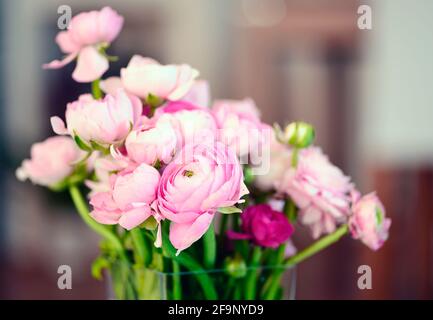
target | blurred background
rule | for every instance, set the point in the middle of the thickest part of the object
(368, 93)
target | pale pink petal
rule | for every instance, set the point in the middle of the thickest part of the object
(91, 65)
(57, 64)
(58, 126)
(158, 240)
(184, 235)
(186, 77)
(199, 94)
(110, 24)
(134, 217)
(105, 217)
(111, 85)
(67, 43)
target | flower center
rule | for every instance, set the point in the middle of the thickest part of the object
(188, 173)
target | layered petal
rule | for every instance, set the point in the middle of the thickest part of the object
(91, 65)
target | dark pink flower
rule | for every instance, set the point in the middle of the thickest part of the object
(263, 225)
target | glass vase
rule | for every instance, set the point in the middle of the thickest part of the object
(125, 282)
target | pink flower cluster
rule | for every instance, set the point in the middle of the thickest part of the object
(325, 196)
(158, 151)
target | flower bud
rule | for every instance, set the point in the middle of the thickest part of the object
(235, 266)
(296, 134)
(248, 175)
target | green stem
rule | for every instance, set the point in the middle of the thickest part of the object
(96, 89)
(177, 286)
(229, 288)
(237, 293)
(223, 226)
(209, 247)
(317, 246)
(250, 281)
(82, 209)
(290, 210)
(314, 248)
(139, 241)
(192, 265)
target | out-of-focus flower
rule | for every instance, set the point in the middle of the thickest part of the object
(144, 76)
(240, 125)
(368, 222)
(280, 161)
(201, 179)
(107, 121)
(88, 33)
(152, 143)
(264, 226)
(235, 266)
(128, 201)
(51, 161)
(192, 124)
(319, 189)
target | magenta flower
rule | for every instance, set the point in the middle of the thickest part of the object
(201, 179)
(87, 33)
(51, 161)
(368, 222)
(264, 226)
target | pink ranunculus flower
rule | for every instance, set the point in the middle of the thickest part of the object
(51, 161)
(240, 125)
(264, 226)
(107, 121)
(86, 34)
(144, 76)
(319, 189)
(128, 202)
(201, 179)
(152, 143)
(368, 222)
(192, 124)
(103, 168)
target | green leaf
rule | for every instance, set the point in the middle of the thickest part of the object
(96, 146)
(229, 210)
(96, 90)
(149, 224)
(81, 144)
(98, 266)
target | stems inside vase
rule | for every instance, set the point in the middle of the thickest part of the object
(209, 244)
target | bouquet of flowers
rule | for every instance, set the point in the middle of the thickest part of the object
(176, 187)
